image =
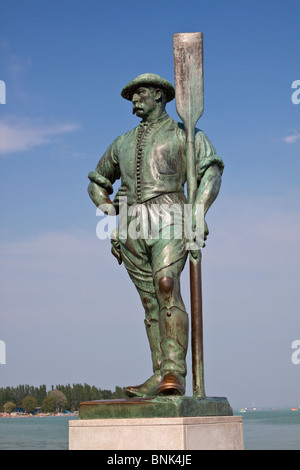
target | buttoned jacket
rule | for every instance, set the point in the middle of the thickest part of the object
(151, 160)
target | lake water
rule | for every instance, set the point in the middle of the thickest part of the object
(271, 430)
(263, 430)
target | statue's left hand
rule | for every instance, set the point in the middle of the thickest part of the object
(202, 225)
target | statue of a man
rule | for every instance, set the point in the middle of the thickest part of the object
(151, 162)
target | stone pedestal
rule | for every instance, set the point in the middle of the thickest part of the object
(157, 423)
(186, 433)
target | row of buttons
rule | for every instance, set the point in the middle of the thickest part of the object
(142, 138)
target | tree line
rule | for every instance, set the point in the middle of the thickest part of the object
(61, 397)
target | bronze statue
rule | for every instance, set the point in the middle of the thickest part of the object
(150, 160)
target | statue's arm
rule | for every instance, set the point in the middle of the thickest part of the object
(209, 168)
(100, 198)
(209, 187)
(101, 180)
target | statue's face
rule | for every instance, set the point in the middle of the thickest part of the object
(144, 102)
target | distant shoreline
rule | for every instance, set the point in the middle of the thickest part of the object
(37, 415)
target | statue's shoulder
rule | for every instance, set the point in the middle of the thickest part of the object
(127, 135)
(177, 126)
(121, 138)
(181, 128)
(130, 133)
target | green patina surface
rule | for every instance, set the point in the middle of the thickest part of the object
(156, 407)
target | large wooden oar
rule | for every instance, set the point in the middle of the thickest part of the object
(188, 62)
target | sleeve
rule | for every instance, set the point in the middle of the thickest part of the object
(107, 170)
(206, 155)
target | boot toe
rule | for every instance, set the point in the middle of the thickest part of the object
(171, 385)
(132, 391)
(147, 389)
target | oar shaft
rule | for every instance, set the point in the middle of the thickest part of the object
(195, 278)
(197, 328)
(191, 165)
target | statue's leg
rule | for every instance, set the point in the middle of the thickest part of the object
(154, 266)
(174, 326)
(169, 256)
(151, 306)
(140, 272)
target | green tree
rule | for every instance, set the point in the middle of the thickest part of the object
(29, 404)
(48, 405)
(9, 406)
(67, 390)
(74, 394)
(59, 398)
(119, 392)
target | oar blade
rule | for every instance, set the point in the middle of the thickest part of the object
(188, 64)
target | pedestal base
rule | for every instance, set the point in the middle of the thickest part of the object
(187, 433)
(155, 407)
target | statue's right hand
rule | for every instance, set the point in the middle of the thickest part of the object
(101, 198)
(121, 194)
(115, 245)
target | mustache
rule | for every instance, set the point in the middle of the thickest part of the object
(136, 108)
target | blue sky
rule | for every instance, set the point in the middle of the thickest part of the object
(68, 312)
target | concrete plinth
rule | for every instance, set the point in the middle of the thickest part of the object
(184, 433)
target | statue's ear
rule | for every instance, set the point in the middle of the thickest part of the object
(157, 94)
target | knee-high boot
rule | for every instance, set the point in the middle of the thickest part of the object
(174, 326)
(149, 388)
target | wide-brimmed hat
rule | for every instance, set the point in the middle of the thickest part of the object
(148, 79)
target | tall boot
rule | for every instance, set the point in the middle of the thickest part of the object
(149, 388)
(174, 326)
